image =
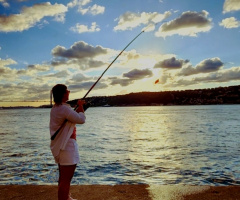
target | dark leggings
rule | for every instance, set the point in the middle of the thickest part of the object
(65, 176)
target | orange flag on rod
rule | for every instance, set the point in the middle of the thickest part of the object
(156, 81)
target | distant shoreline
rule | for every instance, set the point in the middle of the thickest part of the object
(212, 96)
(40, 107)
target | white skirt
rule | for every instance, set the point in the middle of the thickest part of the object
(70, 155)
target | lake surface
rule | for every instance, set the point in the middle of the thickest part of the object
(194, 145)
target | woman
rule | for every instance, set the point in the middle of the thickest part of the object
(64, 147)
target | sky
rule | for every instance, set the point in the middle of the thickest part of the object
(184, 44)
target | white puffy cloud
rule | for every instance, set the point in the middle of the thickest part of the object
(4, 3)
(30, 91)
(131, 76)
(231, 75)
(82, 63)
(29, 16)
(38, 67)
(130, 20)
(230, 22)
(205, 66)
(231, 5)
(7, 62)
(78, 50)
(119, 81)
(170, 63)
(60, 74)
(8, 73)
(79, 77)
(74, 3)
(81, 4)
(5, 71)
(226, 75)
(188, 24)
(136, 74)
(83, 28)
(95, 9)
(86, 85)
(80, 56)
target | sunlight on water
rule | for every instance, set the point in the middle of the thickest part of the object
(195, 145)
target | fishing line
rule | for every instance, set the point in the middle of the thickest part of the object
(143, 30)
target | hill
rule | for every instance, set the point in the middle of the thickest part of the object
(220, 95)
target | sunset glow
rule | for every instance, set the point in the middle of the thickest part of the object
(187, 45)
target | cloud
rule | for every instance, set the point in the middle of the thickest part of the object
(86, 86)
(29, 16)
(231, 5)
(221, 76)
(132, 55)
(78, 3)
(88, 64)
(81, 56)
(78, 50)
(83, 28)
(61, 74)
(4, 3)
(137, 74)
(93, 10)
(206, 66)
(33, 91)
(31, 72)
(78, 78)
(209, 65)
(38, 67)
(171, 63)
(7, 62)
(5, 71)
(122, 82)
(188, 24)
(25, 89)
(83, 64)
(227, 75)
(130, 20)
(131, 76)
(230, 22)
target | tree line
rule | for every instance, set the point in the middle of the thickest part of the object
(220, 95)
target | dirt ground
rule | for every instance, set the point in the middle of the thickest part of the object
(106, 192)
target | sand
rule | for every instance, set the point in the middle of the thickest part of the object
(122, 192)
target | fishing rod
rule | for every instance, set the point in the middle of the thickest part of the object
(109, 67)
(65, 121)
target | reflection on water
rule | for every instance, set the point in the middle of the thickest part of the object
(162, 145)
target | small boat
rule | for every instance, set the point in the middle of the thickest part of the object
(107, 105)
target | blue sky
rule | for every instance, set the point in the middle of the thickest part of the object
(187, 44)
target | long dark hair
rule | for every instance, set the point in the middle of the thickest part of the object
(58, 92)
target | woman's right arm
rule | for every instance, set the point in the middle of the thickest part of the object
(78, 116)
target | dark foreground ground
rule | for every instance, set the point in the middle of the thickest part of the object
(122, 192)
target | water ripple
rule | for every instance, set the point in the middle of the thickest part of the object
(195, 145)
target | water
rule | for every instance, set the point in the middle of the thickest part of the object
(194, 145)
